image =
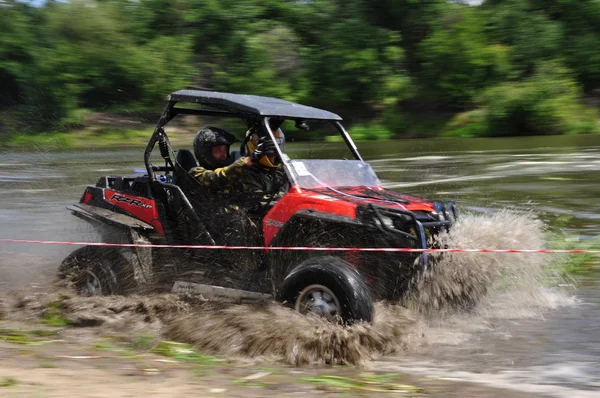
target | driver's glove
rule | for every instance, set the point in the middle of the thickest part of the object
(265, 146)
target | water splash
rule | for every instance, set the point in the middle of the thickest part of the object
(470, 280)
(455, 299)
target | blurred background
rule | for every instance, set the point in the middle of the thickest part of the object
(494, 77)
(391, 68)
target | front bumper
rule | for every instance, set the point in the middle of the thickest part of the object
(417, 227)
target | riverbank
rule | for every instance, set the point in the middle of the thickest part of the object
(98, 130)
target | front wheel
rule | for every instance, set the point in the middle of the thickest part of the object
(328, 287)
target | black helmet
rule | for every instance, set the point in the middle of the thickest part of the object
(205, 140)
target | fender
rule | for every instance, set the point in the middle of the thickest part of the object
(93, 213)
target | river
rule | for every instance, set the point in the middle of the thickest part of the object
(552, 349)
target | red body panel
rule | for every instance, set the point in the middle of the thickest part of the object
(293, 202)
(379, 196)
(139, 207)
(343, 202)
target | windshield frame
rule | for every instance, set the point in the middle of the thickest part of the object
(287, 161)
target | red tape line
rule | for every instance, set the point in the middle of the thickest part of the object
(326, 249)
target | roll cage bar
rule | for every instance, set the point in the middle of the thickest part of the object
(160, 136)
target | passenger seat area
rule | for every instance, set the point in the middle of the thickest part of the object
(184, 161)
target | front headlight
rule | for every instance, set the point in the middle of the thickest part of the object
(442, 216)
(386, 221)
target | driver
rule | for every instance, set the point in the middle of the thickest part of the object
(259, 173)
(252, 138)
(211, 147)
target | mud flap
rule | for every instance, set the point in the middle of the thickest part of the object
(141, 260)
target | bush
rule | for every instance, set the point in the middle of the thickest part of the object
(43, 141)
(545, 103)
(468, 124)
(370, 132)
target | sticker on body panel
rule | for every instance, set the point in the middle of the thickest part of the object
(324, 197)
(130, 201)
(301, 169)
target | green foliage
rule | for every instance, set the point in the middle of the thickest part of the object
(367, 382)
(16, 47)
(370, 132)
(529, 34)
(545, 103)
(580, 41)
(573, 263)
(41, 141)
(8, 382)
(25, 337)
(365, 67)
(468, 124)
(52, 316)
(391, 63)
(144, 342)
(184, 352)
(457, 60)
(270, 65)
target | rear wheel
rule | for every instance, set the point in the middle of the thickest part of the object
(328, 287)
(94, 271)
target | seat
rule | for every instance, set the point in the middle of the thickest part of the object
(235, 155)
(184, 161)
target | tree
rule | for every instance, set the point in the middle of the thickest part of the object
(458, 61)
(16, 44)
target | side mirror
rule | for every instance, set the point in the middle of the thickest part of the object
(301, 125)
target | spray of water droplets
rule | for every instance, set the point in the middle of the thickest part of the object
(482, 285)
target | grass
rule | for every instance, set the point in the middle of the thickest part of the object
(576, 263)
(184, 352)
(144, 342)
(8, 382)
(114, 345)
(170, 349)
(369, 382)
(50, 140)
(26, 337)
(53, 315)
(111, 137)
(78, 139)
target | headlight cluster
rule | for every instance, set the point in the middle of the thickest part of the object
(397, 221)
(387, 221)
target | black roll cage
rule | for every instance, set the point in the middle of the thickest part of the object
(170, 111)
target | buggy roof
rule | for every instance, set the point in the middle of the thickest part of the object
(254, 104)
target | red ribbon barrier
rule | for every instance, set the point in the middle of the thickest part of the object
(325, 249)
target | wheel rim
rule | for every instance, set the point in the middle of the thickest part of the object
(319, 300)
(91, 285)
(97, 280)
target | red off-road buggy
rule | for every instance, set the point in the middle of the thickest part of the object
(327, 203)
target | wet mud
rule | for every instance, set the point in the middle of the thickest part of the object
(457, 284)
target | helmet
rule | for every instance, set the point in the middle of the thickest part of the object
(280, 139)
(266, 154)
(208, 138)
(254, 137)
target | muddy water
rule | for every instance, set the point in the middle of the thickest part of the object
(530, 330)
